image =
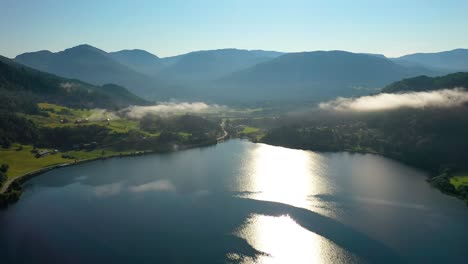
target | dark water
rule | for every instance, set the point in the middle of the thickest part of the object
(236, 202)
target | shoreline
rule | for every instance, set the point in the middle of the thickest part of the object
(428, 180)
(9, 185)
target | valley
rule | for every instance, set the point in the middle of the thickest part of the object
(62, 124)
(235, 132)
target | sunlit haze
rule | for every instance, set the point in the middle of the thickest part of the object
(168, 28)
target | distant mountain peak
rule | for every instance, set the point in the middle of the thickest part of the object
(134, 52)
(376, 55)
(84, 47)
(460, 50)
(44, 52)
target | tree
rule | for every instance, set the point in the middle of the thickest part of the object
(2, 178)
(4, 168)
(3, 171)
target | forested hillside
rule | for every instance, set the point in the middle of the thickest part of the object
(22, 87)
(425, 83)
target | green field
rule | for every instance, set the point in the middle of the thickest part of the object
(115, 124)
(253, 133)
(57, 108)
(458, 181)
(23, 161)
(249, 130)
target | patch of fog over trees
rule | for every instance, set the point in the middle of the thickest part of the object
(445, 98)
(170, 108)
(429, 135)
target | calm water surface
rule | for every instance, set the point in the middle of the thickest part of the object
(237, 202)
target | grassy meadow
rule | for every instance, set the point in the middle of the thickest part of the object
(458, 181)
(22, 161)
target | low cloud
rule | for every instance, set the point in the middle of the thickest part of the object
(166, 108)
(385, 101)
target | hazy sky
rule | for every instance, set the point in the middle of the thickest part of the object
(173, 27)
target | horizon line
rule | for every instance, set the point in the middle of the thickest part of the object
(232, 48)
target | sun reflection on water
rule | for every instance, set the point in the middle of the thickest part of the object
(283, 175)
(286, 176)
(284, 241)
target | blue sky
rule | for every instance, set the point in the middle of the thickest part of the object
(173, 27)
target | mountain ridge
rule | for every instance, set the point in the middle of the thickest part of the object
(320, 74)
(89, 64)
(231, 73)
(212, 64)
(139, 60)
(17, 81)
(450, 60)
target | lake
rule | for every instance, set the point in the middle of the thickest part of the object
(236, 202)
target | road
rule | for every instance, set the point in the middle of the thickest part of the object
(225, 133)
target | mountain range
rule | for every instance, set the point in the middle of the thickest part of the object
(320, 75)
(233, 75)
